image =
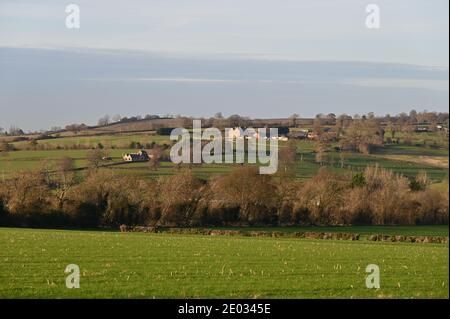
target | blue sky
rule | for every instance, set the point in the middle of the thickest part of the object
(197, 57)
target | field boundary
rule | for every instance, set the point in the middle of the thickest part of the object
(277, 234)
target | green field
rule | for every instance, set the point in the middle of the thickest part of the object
(118, 140)
(402, 159)
(114, 265)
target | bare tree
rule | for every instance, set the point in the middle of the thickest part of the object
(237, 121)
(27, 192)
(317, 125)
(342, 159)
(15, 131)
(362, 135)
(408, 130)
(95, 157)
(287, 155)
(320, 154)
(65, 179)
(294, 119)
(246, 189)
(76, 128)
(103, 121)
(155, 157)
(180, 196)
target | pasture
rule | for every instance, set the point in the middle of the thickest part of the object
(137, 265)
(108, 140)
(408, 160)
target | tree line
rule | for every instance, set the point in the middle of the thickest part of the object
(103, 198)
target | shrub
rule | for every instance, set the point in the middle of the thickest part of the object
(254, 194)
(180, 197)
(358, 180)
(53, 197)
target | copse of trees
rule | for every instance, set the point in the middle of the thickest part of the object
(15, 131)
(247, 192)
(76, 128)
(363, 136)
(244, 197)
(104, 120)
(117, 118)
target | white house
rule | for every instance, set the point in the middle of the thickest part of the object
(238, 133)
(141, 156)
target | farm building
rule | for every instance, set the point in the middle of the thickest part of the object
(312, 135)
(141, 156)
(301, 135)
(421, 129)
(239, 133)
(236, 132)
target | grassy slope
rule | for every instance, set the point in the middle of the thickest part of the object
(106, 140)
(160, 265)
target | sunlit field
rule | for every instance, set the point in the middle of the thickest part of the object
(402, 159)
(116, 265)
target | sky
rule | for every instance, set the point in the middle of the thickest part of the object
(260, 58)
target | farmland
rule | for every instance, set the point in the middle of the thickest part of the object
(203, 151)
(408, 160)
(115, 265)
(167, 264)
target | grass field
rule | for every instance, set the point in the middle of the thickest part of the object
(406, 160)
(119, 140)
(140, 265)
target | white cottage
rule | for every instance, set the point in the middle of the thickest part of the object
(141, 156)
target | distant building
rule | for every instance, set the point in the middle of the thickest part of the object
(421, 129)
(280, 138)
(301, 135)
(236, 132)
(312, 135)
(239, 133)
(141, 156)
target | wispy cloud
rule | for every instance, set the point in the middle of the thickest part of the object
(56, 87)
(176, 80)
